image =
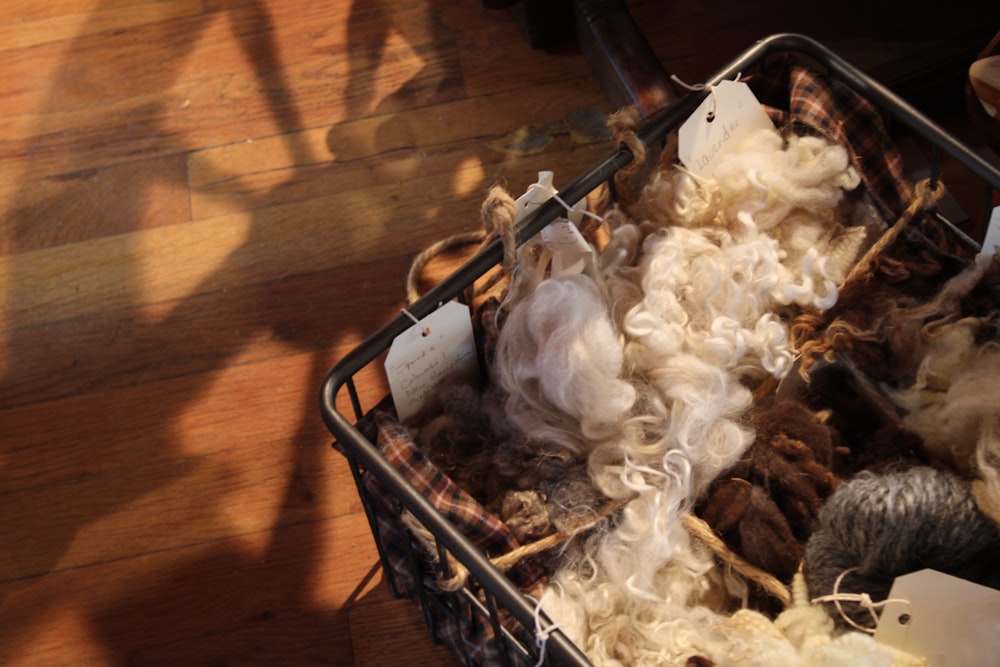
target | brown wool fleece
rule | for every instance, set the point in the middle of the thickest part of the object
(765, 506)
(878, 319)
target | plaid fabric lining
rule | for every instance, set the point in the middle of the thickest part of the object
(450, 615)
(810, 102)
(846, 118)
(487, 532)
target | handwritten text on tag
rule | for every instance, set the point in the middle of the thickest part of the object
(417, 364)
(721, 124)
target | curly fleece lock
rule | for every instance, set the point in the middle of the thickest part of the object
(559, 359)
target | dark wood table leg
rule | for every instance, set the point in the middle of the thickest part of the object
(620, 56)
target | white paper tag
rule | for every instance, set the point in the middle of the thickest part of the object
(992, 239)
(536, 196)
(735, 115)
(562, 236)
(418, 363)
(944, 619)
(569, 249)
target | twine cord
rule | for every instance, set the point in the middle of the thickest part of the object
(928, 194)
(862, 599)
(426, 331)
(806, 331)
(497, 215)
(698, 87)
(552, 192)
(698, 528)
(508, 560)
(433, 251)
(623, 124)
(694, 525)
(542, 634)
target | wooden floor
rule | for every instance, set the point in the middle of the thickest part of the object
(204, 204)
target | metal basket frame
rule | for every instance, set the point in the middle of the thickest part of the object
(363, 455)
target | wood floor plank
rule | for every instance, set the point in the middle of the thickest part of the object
(496, 57)
(187, 84)
(309, 640)
(185, 501)
(179, 261)
(417, 129)
(134, 605)
(103, 95)
(391, 149)
(20, 11)
(336, 74)
(93, 203)
(223, 253)
(157, 476)
(105, 350)
(158, 424)
(403, 638)
(68, 20)
(467, 171)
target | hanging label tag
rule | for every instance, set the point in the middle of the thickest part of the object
(721, 124)
(562, 237)
(941, 618)
(569, 249)
(418, 363)
(992, 239)
(529, 202)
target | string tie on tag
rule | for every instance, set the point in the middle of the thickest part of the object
(542, 634)
(552, 192)
(698, 87)
(426, 331)
(862, 599)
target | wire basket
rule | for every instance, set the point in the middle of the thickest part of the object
(488, 620)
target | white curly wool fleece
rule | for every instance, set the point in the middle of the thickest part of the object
(788, 187)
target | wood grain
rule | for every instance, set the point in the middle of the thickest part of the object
(381, 150)
(159, 599)
(218, 254)
(232, 326)
(40, 23)
(93, 203)
(169, 493)
(396, 647)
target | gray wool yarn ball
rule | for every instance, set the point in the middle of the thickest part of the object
(890, 524)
